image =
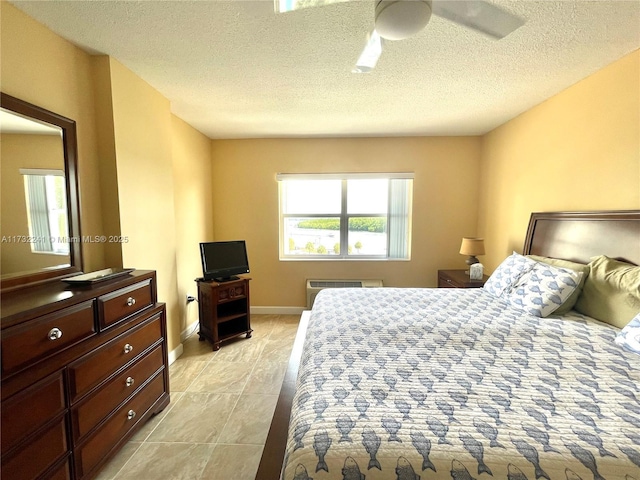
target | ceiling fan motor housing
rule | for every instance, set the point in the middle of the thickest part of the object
(400, 19)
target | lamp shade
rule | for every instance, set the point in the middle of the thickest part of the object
(472, 246)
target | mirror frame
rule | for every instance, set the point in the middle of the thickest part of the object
(69, 141)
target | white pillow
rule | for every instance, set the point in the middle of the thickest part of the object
(543, 289)
(507, 274)
(629, 337)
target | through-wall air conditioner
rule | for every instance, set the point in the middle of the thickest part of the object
(314, 286)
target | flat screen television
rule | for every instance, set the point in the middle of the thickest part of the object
(221, 261)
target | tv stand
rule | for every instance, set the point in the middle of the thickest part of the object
(226, 279)
(224, 310)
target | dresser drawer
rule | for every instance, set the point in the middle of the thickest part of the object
(444, 282)
(97, 366)
(92, 410)
(98, 446)
(31, 409)
(60, 472)
(40, 454)
(118, 305)
(232, 292)
(458, 279)
(37, 339)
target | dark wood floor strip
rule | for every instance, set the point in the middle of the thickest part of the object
(273, 453)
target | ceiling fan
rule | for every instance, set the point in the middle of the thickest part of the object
(400, 19)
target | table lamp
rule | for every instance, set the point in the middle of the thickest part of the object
(472, 247)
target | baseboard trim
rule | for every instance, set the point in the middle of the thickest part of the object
(187, 332)
(277, 310)
(175, 353)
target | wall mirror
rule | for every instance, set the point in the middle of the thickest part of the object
(39, 221)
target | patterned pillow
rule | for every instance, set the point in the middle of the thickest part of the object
(578, 267)
(507, 274)
(629, 337)
(541, 290)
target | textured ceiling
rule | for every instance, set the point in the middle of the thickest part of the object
(235, 69)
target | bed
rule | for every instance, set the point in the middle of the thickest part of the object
(445, 383)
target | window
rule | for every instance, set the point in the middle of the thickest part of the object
(45, 192)
(345, 216)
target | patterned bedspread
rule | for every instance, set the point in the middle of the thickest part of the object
(410, 384)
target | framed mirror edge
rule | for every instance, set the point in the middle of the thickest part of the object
(70, 150)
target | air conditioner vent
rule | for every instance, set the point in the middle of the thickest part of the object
(314, 286)
(334, 284)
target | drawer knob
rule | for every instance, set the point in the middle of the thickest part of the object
(54, 334)
(131, 301)
(128, 348)
(131, 415)
(130, 381)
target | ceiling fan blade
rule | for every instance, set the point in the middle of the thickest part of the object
(282, 6)
(370, 54)
(478, 15)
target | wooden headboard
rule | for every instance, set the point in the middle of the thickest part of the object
(578, 236)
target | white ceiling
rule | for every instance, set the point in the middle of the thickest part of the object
(235, 69)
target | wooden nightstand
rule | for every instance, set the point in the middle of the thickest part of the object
(458, 279)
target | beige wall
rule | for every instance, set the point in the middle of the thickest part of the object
(142, 130)
(42, 68)
(191, 152)
(245, 205)
(107, 165)
(579, 150)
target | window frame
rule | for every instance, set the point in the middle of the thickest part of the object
(344, 216)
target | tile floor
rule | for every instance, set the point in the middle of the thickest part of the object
(221, 408)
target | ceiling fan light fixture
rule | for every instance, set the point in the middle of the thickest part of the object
(370, 54)
(400, 19)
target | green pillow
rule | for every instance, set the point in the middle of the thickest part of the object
(612, 291)
(578, 267)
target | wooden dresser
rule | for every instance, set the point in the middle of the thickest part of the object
(82, 369)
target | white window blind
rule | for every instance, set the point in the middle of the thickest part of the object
(45, 193)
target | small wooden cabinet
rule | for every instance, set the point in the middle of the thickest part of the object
(458, 279)
(224, 310)
(82, 369)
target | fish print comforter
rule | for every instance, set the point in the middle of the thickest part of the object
(409, 384)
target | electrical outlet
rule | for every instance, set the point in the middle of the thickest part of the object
(190, 298)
